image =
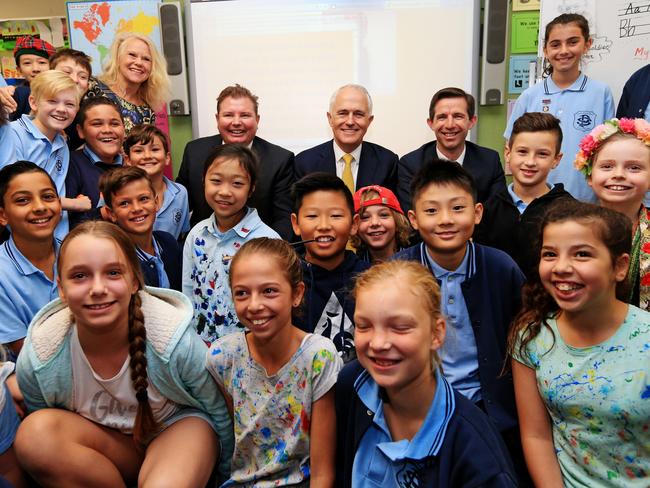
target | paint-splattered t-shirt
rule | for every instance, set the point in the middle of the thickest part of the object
(272, 414)
(598, 398)
(206, 264)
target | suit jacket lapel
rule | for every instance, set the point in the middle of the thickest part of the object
(471, 162)
(366, 167)
(327, 162)
(429, 153)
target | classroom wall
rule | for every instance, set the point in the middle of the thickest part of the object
(489, 128)
(15, 9)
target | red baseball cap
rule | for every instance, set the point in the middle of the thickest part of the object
(386, 198)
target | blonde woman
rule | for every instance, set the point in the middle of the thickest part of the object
(135, 76)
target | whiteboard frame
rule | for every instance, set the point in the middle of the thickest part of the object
(428, 136)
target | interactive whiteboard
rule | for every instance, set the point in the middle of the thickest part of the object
(293, 54)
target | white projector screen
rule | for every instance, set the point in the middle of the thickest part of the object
(293, 54)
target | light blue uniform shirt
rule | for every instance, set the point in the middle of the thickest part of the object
(580, 107)
(519, 203)
(24, 290)
(2, 81)
(24, 141)
(206, 265)
(92, 155)
(380, 461)
(154, 261)
(174, 214)
(459, 353)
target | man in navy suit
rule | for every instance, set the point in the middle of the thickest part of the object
(451, 116)
(237, 120)
(357, 162)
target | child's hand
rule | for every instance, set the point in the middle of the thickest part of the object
(16, 395)
(7, 98)
(80, 204)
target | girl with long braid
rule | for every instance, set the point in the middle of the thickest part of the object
(113, 377)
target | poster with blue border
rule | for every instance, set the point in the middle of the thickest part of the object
(518, 70)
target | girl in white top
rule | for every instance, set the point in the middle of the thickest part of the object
(280, 378)
(113, 378)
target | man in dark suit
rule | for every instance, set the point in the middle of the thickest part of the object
(451, 116)
(237, 120)
(357, 162)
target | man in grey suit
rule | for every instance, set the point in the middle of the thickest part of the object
(237, 120)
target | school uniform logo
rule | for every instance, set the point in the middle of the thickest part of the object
(59, 165)
(546, 105)
(411, 473)
(177, 215)
(584, 121)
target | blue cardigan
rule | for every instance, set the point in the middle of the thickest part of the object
(636, 95)
(472, 452)
(493, 298)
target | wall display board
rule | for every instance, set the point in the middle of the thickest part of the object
(52, 29)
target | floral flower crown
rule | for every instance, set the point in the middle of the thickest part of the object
(595, 139)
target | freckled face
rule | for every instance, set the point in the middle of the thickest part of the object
(395, 335)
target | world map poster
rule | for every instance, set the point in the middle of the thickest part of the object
(94, 25)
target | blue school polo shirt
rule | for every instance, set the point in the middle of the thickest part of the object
(580, 107)
(459, 353)
(24, 290)
(92, 155)
(519, 203)
(174, 214)
(380, 461)
(154, 262)
(24, 141)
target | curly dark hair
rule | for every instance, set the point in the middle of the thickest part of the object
(615, 232)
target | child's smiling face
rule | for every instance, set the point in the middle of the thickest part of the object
(377, 227)
(53, 113)
(576, 266)
(103, 131)
(31, 207)
(621, 172)
(396, 335)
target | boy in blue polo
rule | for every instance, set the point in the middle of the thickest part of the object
(30, 206)
(480, 288)
(146, 147)
(54, 101)
(131, 203)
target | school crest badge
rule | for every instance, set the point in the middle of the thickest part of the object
(584, 121)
